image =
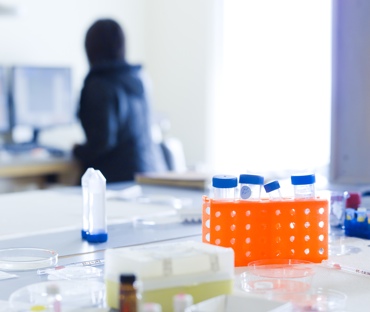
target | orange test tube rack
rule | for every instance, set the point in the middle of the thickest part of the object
(266, 229)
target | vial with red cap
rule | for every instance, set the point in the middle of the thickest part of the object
(353, 200)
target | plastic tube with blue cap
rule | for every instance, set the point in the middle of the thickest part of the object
(273, 190)
(224, 187)
(85, 197)
(304, 186)
(94, 227)
(250, 186)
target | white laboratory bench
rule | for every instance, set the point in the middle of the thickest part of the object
(52, 219)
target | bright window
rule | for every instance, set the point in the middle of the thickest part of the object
(273, 114)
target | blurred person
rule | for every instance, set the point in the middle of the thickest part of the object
(114, 111)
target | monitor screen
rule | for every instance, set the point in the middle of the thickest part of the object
(4, 105)
(42, 96)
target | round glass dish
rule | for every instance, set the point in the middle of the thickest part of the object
(76, 295)
(277, 275)
(23, 259)
(316, 299)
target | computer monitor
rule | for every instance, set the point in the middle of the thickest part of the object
(4, 104)
(41, 97)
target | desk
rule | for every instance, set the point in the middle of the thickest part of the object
(51, 219)
(29, 168)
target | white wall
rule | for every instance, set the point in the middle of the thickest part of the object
(350, 152)
(172, 38)
(52, 32)
(184, 46)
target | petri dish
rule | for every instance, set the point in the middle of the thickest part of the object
(316, 299)
(23, 259)
(76, 295)
(277, 275)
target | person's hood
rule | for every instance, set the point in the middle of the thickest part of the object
(126, 73)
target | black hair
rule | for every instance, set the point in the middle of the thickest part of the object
(105, 41)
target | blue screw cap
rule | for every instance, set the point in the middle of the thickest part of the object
(224, 181)
(303, 179)
(251, 179)
(272, 186)
(97, 238)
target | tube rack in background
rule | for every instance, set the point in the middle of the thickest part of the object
(266, 229)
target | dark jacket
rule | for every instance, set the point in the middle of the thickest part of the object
(116, 119)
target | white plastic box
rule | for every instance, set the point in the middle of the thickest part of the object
(164, 270)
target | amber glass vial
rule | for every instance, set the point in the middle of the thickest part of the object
(128, 294)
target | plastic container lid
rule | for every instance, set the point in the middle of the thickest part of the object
(22, 259)
(251, 179)
(272, 186)
(189, 262)
(303, 179)
(224, 181)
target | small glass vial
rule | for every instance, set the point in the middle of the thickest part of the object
(151, 307)
(350, 214)
(181, 302)
(361, 214)
(337, 208)
(54, 298)
(304, 186)
(250, 186)
(224, 187)
(129, 296)
(273, 190)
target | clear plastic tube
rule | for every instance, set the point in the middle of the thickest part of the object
(304, 186)
(250, 186)
(94, 211)
(85, 197)
(273, 190)
(224, 187)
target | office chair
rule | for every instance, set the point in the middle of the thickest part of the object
(174, 154)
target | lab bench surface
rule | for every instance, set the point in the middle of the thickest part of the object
(71, 248)
(51, 219)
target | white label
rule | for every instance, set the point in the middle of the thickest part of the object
(245, 192)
